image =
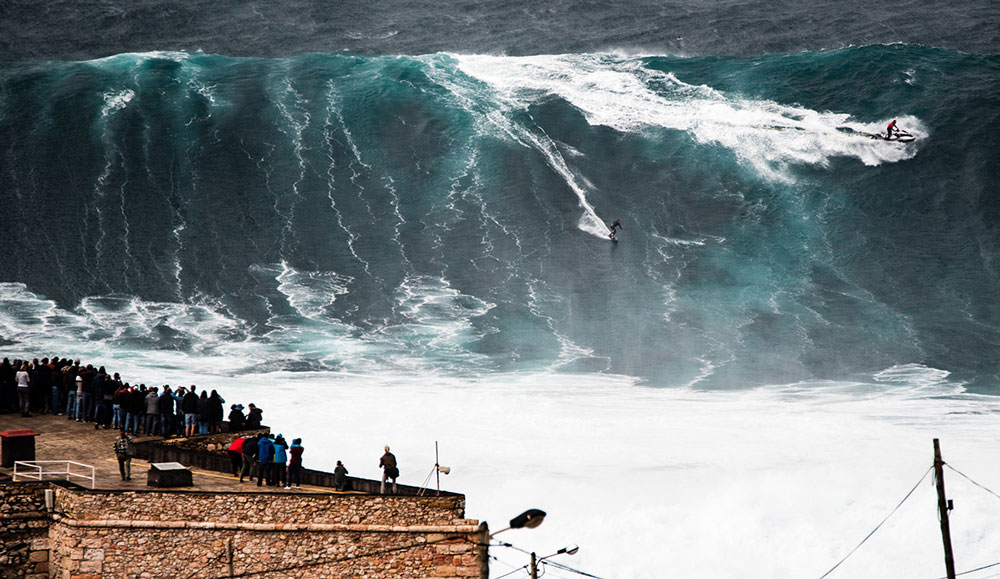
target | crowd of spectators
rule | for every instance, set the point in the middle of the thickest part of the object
(66, 387)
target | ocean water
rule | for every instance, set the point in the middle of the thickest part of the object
(387, 224)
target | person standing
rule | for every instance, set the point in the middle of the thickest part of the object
(280, 460)
(204, 412)
(8, 386)
(135, 403)
(23, 392)
(216, 411)
(124, 450)
(295, 463)
(254, 416)
(389, 469)
(265, 458)
(615, 227)
(165, 405)
(151, 405)
(249, 449)
(236, 418)
(190, 407)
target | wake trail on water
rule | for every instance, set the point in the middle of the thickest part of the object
(630, 96)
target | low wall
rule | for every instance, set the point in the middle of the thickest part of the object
(152, 534)
(208, 452)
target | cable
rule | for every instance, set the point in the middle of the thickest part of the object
(567, 568)
(972, 481)
(868, 536)
(974, 570)
(521, 568)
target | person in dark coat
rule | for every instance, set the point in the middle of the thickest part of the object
(389, 469)
(165, 405)
(254, 416)
(204, 413)
(216, 412)
(236, 418)
(340, 476)
(190, 407)
(135, 405)
(250, 449)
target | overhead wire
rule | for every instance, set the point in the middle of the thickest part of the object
(970, 480)
(877, 527)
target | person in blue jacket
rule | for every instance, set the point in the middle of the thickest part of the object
(280, 458)
(265, 459)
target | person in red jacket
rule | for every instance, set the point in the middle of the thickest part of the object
(891, 129)
(235, 452)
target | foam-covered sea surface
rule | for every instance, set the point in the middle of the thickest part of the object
(393, 245)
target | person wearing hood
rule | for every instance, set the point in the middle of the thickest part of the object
(280, 458)
(254, 416)
(295, 463)
(236, 418)
(265, 458)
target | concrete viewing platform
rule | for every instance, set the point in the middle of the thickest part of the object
(60, 439)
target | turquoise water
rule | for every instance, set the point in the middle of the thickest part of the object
(449, 209)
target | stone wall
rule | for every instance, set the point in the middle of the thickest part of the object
(151, 534)
(24, 541)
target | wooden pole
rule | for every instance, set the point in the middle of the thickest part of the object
(534, 567)
(949, 558)
(229, 555)
(437, 467)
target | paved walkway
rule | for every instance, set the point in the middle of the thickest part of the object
(62, 439)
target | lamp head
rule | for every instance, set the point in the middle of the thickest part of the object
(530, 519)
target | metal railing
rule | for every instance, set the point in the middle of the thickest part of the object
(43, 470)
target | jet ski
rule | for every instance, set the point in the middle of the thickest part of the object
(898, 136)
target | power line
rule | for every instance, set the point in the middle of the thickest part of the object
(568, 568)
(521, 568)
(868, 536)
(972, 481)
(976, 569)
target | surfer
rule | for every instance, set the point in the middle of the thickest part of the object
(615, 227)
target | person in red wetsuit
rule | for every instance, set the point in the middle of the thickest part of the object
(891, 129)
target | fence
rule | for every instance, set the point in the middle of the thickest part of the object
(40, 469)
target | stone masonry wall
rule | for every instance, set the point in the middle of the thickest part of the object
(24, 521)
(152, 534)
(285, 508)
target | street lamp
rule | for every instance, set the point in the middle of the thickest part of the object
(529, 519)
(569, 550)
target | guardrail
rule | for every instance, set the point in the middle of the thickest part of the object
(39, 470)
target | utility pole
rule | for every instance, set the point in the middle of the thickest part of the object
(949, 558)
(437, 467)
(534, 567)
